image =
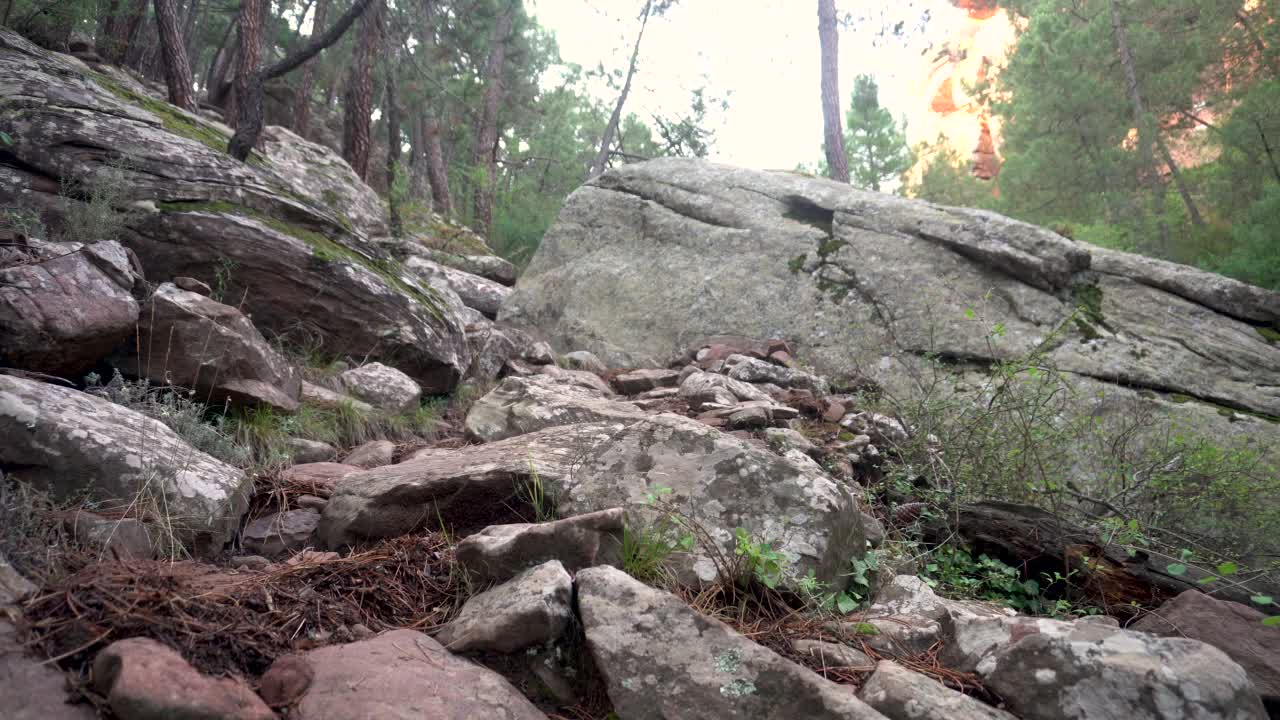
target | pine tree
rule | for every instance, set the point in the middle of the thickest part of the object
(876, 147)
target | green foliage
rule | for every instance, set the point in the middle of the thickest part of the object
(646, 550)
(759, 560)
(875, 144)
(534, 494)
(946, 178)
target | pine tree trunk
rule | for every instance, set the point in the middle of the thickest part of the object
(177, 72)
(1143, 123)
(216, 78)
(485, 154)
(248, 58)
(306, 84)
(832, 132)
(120, 31)
(419, 184)
(430, 166)
(601, 160)
(358, 99)
(193, 15)
(391, 110)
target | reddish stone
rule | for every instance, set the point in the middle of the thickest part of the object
(835, 410)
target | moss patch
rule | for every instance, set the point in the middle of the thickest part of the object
(173, 119)
(1089, 299)
(323, 249)
(1271, 335)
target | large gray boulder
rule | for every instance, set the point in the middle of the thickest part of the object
(718, 481)
(265, 234)
(758, 254)
(192, 341)
(476, 292)
(662, 659)
(532, 608)
(64, 306)
(72, 444)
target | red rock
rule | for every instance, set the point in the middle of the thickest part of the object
(144, 680)
(834, 412)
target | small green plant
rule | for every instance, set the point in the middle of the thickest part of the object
(534, 493)
(758, 560)
(1220, 572)
(222, 273)
(646, 550)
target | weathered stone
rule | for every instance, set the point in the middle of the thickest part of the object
(523, 405)
(659, 393)
(381, 386)
(144, 680)
(303, 451)
(879, 429)
(122, 538)
(638, 381)
(900, 694)
(415, 678)
(193, 285)
(1227, 296)
(1235, 629)
(372, 454)
(832, 654)
(193, 342)
(476, 292)
(722, 240)
(311, 502)
(583, 360)
(722, 482)
(493, 346)
(1122, 675)
(703, 388)
(580, 378)
(975, 638)
(500, 551)
(31, 689)
(491, 267)
(784, 439)
(320, 478)
(532, 608)
(64, 306)
(662, 659)
(752, 370)
(295, 246)
(70, 443)
(281, 533)
(323, 397)
(13, 586)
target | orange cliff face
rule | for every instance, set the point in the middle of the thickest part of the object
(965, 41)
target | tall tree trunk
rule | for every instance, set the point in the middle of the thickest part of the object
(430, 167)
(306, 85)
(249, 114)
(177, 73)
(358, 98)
(419, 183)
(192, 15)
(216, 78)
(391, 111)
(832, 132)
(248, 58)
(1144, 124)
(121, 29)
(615, 118)
(484, 156)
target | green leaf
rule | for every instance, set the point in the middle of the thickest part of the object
(5, 138)
(845, 604)
(1177, 569)
(1228, 568)
(968, 313)
(1261, 599)
(1207, 580)
(1273, 621)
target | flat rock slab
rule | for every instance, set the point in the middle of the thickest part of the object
(144, 680)
(194, 342)
(662, 659)
(530, 609)
(500, 551)
(318, 478)
(69, 442)
(638, 381)
(900, 694)
(1235, 629)
(399, 675)
(372, 454)
(721, 482)
(280, 533)
(527, 404)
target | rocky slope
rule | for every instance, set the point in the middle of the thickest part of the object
(866, 285)
(576, 536)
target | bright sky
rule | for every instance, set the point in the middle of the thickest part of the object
(764, 53)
